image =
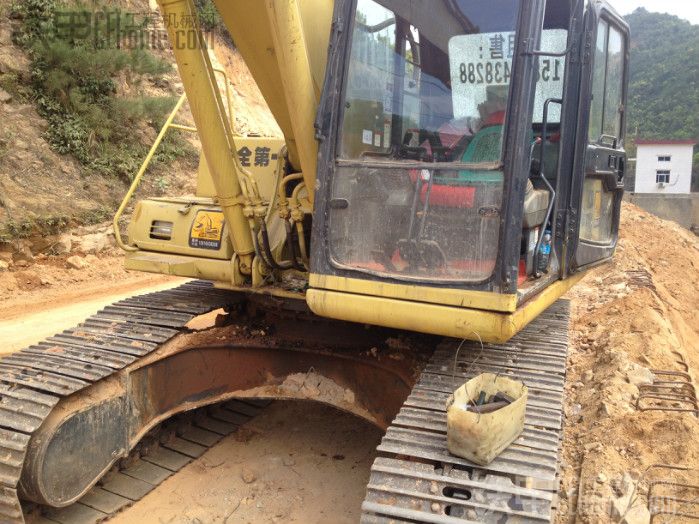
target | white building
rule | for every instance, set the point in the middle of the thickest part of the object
(664, 166)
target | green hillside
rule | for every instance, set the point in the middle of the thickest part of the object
(664, 83)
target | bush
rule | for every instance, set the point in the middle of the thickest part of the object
(75, 79)
(209, 19)
(37, 19)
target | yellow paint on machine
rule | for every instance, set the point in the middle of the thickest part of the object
(287, 41)
(445, 296)
(468, 323)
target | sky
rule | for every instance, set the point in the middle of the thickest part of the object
(687, 9)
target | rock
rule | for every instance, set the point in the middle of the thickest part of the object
(23, 254)
(573, 410)
(601, 478)
(63, 245)
(248, 475)
(348, 396)
(638, 514)
(76, 262)
(5, 97)
(639, 376)
(4, 266)
(604, 409)
(624, 509)
(289, 461)
(622, 486)
(91, 259)
(619, 508)
(93, 243)
(588, 376)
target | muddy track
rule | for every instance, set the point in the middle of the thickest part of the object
(163, 452)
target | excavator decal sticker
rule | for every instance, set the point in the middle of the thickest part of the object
(207, 230)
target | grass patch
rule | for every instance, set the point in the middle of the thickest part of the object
(76, 73)
(210, 20)
(51, 224)
(16, 86)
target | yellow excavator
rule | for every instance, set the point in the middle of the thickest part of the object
(448, 170)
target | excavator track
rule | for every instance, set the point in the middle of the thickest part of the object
(416, 479)
(165, 451)
(35, 379)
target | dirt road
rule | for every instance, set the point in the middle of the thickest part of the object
(26, 322)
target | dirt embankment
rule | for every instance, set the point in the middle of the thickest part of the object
(638, 314)
(42, 191)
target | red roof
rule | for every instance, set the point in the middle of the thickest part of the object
(650, 141)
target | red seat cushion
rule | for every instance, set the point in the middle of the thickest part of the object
(450, 196)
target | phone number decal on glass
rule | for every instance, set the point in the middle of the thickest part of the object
(485, 73)
(501, 72)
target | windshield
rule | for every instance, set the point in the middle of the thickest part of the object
(417, 189)
(424, 75)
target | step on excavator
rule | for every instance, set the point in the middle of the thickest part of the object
(448, 170)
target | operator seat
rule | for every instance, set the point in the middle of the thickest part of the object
(458, 190)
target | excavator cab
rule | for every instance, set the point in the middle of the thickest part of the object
(458, 171)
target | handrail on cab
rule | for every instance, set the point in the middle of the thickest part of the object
(169, 124)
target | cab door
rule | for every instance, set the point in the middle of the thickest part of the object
(601, 164)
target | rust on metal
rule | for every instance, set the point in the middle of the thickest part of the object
(670, 391)
(674, 498)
